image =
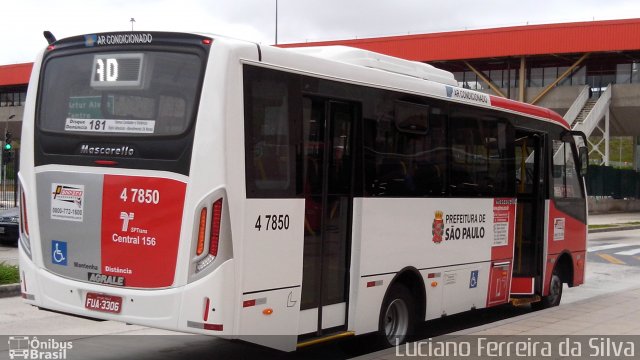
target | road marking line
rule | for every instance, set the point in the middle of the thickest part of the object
(612, 259)
(607, 247)
(629, 252)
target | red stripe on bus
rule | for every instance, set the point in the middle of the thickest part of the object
(522, 285)
(205, 316)
(140, 233)
(106, 162)
(215, 327)
(528, 109)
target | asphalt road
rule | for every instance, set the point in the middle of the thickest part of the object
(615, 247)
(105, 340)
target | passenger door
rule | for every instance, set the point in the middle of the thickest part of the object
(530, 189)
(328, 127)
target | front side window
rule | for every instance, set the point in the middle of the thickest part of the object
(566, 179)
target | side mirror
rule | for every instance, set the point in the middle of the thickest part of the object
(583, 151)
(583, 154)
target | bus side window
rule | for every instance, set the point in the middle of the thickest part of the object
(566, 180)
(405, 150)
(268, 149)
(482, 159)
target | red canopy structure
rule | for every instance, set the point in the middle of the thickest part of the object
(16, 74)
(578, 37)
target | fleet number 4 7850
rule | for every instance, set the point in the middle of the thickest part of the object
(273, 222)
(142, 196)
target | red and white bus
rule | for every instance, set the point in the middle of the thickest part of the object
(213, 186)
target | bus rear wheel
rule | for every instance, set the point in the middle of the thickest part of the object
(397, 316)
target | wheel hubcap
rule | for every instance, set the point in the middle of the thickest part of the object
(396, 321)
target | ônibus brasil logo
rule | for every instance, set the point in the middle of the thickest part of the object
(26, 347)
(437, 229)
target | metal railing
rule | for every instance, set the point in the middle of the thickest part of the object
(616, 183)
(597, 113)
(571, 114)
(9, 181)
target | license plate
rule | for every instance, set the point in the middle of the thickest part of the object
(102, 302)
(1, 229)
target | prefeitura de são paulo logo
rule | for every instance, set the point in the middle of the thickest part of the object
(437, 229)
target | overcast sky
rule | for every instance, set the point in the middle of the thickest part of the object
(298, 20)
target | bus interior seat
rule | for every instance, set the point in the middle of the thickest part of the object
(428, 179)
(392, 173)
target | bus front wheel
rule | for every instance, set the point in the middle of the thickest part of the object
(396, 316)
(555, 293)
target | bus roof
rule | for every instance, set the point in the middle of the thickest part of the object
(370, 59)
(374, 60)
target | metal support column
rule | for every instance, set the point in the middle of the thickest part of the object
(522, 80)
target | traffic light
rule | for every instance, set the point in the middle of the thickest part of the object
(7, 141)
(7, 153)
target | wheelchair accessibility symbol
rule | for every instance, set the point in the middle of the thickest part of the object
(59, 252)
(473, 280)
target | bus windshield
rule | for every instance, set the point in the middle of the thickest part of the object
(120, 93)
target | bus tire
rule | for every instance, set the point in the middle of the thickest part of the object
(397, 316)
(555, 293)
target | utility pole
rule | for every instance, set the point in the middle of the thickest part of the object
(132, 21)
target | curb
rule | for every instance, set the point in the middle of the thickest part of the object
(615, 228)
(9, 290)
(384, 353)
(471, 331)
